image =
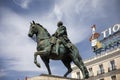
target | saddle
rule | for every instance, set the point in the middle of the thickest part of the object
(53, 41)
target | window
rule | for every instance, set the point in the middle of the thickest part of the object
(112, 66)
(90, 72)
(101, 69)
(78, 75)
(113, 78)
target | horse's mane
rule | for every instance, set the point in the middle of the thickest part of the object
(44, 29)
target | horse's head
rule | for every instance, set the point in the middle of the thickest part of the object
(33, 29)
(38, 30)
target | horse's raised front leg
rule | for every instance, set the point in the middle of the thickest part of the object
(35, 60)
(43, 52)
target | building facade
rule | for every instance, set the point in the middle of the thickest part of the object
(106, 64)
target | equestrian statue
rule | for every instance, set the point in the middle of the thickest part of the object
(56, 47)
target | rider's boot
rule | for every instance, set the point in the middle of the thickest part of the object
(57, 47)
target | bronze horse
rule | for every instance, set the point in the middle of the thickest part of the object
(46, 52)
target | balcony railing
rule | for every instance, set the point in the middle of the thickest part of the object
(100, 71)
(91, 74)
(111, 68)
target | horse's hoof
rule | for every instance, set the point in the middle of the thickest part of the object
(65, 75)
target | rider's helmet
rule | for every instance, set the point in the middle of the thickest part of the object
(60, 23)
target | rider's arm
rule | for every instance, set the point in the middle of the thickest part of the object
(62, 31)
(55, 34)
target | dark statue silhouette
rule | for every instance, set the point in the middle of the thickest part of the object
(56, 47)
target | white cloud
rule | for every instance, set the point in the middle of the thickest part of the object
(76, 13)
(69, 10)
(76, 34)
(15, 43)
(58, 12)
(23, 3)
(64, 10)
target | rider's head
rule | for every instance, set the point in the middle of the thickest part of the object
(60, 23)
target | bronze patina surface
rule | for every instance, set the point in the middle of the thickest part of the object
(56, 47)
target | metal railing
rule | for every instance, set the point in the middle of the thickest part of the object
(100, 71)
(111, 68)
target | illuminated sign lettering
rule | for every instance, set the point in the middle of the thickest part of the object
(110, 30)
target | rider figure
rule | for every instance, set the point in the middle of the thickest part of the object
(61, 34)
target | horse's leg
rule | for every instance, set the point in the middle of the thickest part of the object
(79, 63)
(67, 64)
(38, 53)
(84, 69)
(35, 60)
(46, 62)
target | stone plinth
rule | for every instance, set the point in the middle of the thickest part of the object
(50, 77)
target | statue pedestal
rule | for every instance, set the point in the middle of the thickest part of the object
(50, 77)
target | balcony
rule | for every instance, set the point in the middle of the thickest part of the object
(91, 74)
(100, 72)
(111, 68)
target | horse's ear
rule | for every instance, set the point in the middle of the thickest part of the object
(33, 22)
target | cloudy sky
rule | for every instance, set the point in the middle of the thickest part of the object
(17, 49)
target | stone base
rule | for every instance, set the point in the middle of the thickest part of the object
(50, 77)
